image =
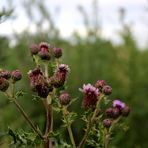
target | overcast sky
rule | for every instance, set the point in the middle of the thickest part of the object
(69, 18)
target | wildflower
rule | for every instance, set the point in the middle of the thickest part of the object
(16, 75)
(107, 90)
(57, 52)
(119, 104)
(107, 123)
(4, 84)
(113, 112)
(125, 111)
(58, 79)
(64, 98)
(34, 49)
(91, 94)
(38, 82)
(5, 74)
(100, 84)
(44, 51)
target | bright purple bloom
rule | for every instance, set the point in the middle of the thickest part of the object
(91, 94)
(119, 104)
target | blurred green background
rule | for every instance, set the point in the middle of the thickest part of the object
(124, 66)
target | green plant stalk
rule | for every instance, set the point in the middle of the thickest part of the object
(64, 110)
(21, 110)
(90, 123)
(49, 114)
(36, 130)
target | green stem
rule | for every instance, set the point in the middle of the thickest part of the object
(90, 123)
(27, 118)
(64, 110)
(49, 114)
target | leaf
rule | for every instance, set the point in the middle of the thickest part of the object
(12, 133)
(20, 93)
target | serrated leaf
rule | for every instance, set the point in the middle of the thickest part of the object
(20, 93)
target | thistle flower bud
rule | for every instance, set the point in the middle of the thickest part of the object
(115, 113)
(107, 123)
(64, 98)
(125, 111)
(44, 55)
(100, 84)
(58, 79)
(38, 82)
(4, 84)
(44, 46)
(91, 94)
(107, 90)
(109, 112)
(44, 51)
(34, 49)
(16, 75)
(5, 74)
(57, 52)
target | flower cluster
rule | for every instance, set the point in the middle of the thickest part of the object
(6, 76)
(118, 109)
(45, 52)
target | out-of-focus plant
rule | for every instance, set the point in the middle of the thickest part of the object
(48, 81)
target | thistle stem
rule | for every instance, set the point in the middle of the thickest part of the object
(21, 110)
(49, 115)
(64, 110)
(90, 123)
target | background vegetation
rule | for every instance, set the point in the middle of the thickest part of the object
(123, 66)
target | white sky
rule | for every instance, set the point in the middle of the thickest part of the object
(69, 18)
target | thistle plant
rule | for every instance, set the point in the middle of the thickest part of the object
(48, 81)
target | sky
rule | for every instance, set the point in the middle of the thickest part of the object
(68, 18)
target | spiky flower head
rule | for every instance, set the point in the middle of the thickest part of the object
(4, 84)
(44, 51)
(44, 46)
(34, 49)
(57, 52)
(16, 75)
(38, 82)
(91, 94)
(107, 90)
(100, 84)
(107, 123)
(63, 68)
(119, 104)
(5, 74)
(125, 111)
(64, 98)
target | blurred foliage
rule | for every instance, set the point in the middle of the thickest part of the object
(123, 66)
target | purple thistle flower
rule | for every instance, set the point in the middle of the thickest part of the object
(119, 104)
(91, 94)
(38, 82)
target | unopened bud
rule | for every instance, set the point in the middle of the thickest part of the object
(4, 84)
(5, 74)
(57, 52)
(107, 90)
(125, 111)
(107, 123)
(64, 98)
(16, 75)
(34, 49)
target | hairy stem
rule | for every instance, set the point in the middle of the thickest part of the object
(64, 110)
(90, 123)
